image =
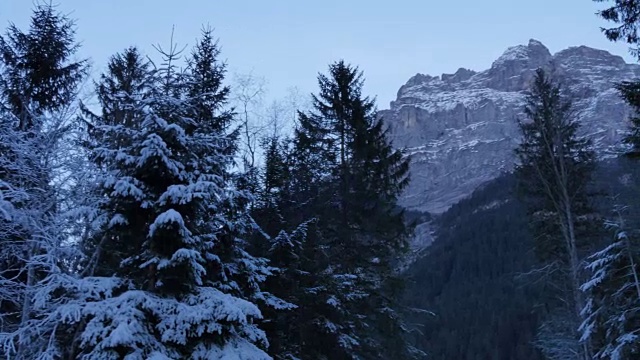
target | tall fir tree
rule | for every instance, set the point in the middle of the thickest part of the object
(127, 82)
(211, 110)
(343, 175)
(173, 279)
(554, 173)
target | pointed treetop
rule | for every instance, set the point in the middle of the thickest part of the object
(38, 74)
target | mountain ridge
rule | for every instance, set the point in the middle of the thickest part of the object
(460, 129)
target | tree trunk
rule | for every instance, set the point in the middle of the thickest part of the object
(26, 301)
(632, 262)
(571, 244)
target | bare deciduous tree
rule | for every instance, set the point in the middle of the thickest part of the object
(248, 93)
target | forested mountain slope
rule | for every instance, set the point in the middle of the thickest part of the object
(473, 277)
(469, 279)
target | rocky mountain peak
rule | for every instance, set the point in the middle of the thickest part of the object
(514, 69)
(530, 56)
(460, 129)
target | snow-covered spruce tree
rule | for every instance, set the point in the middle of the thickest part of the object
(205, 77)
(38, 83)
(612, 309)
(554, 172)
(173, 279)
(124, 86)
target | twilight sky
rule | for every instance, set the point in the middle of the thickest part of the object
(288, 42)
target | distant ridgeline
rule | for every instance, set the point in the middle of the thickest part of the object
(473, 276)
(460, 129)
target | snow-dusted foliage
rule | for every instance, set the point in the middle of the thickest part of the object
(170, 278)
(119, 321)
(612, 309)
(556, 336)
(38, 83)
(316, 321)
(35, 228)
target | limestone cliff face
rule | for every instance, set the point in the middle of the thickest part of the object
(460, 129)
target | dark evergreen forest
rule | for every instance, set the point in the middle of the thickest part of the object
(476, 277)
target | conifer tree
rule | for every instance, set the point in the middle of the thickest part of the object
(290, 253)
(173, 279)
(127, 83)
(623, 13)
(346, 177)
(205, 76)
(283, 325)
(38, 74)
(554, 172)
(368, 176)
(612, 323)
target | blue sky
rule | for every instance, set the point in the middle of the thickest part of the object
(289, 42)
